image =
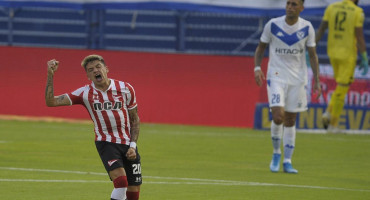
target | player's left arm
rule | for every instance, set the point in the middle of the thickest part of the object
(314, 61)
(134, 132)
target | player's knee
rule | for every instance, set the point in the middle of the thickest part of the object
(289, 122)
(117, 173)
(120, 182)
(277, 115)
(341, 91)
(278, 119)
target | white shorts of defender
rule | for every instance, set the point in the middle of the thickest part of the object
(292, 97)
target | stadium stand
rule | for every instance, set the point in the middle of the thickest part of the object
(167, 31)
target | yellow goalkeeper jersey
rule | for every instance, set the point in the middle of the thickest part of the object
(343, 17)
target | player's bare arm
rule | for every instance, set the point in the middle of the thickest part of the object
(321, 31)
(258, 56)
(361, 45)
(50, 99)
(314, 61)
(134, 132)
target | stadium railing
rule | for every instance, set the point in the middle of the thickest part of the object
(168, 31)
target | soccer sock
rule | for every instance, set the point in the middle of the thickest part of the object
(276, 134)
(132, 195)
(338, 99)
(289, 143)
(120, 188)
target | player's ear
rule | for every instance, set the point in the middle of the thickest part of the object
(107, 68)
(302, 7)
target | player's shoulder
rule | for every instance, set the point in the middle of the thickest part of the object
(81, 90)
(125, 86)
(277, 19)
(358, 9)
(304, 22)
(121, 83)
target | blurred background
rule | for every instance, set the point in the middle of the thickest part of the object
(190, 62)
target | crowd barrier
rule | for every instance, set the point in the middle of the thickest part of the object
(170, 88)
(352, 118)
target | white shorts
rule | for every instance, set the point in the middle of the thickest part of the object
(291, 97)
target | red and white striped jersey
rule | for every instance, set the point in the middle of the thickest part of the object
(108, 109)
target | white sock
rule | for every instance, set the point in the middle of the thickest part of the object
(119, 193)
(289, 143)
(276, 134)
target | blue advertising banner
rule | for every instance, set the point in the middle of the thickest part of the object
(353, 118)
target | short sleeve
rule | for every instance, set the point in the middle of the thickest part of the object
(326, 14)
(131, 97)
(311, 36)
(76, 97)
(360, 18)
(266, 34)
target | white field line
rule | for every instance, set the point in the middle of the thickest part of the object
(184, 181)
(53, 181)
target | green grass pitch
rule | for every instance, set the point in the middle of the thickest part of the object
(58, 161)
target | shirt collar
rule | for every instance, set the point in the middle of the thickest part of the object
(110, 86)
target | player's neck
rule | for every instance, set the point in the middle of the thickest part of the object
(291, 20)
(102, 86)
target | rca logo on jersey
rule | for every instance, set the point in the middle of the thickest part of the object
(116, 105)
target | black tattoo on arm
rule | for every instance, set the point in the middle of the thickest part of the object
(60, 99)
(49, 91)
(134, 125)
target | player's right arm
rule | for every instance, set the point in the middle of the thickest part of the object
(321, 31)
(258, 56)
(50, 99)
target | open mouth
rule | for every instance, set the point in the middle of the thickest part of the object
(98, 77)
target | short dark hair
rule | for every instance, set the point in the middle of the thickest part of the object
(91, 58)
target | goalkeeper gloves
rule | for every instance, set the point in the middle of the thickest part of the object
(364, 63)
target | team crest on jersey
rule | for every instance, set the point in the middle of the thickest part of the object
(300, 35)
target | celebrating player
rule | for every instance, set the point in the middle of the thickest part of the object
(113, 109)
(288, 37)
(345, 22)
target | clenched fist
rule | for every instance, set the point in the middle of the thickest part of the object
(52, 66)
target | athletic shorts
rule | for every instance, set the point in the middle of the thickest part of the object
(113, 156)
(344, 70)
(292, 98)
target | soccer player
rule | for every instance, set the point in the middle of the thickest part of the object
(288, 37)
(345, 22)
(113, 109)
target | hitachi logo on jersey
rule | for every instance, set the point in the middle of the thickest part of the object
(288, 51)
(117, 105)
